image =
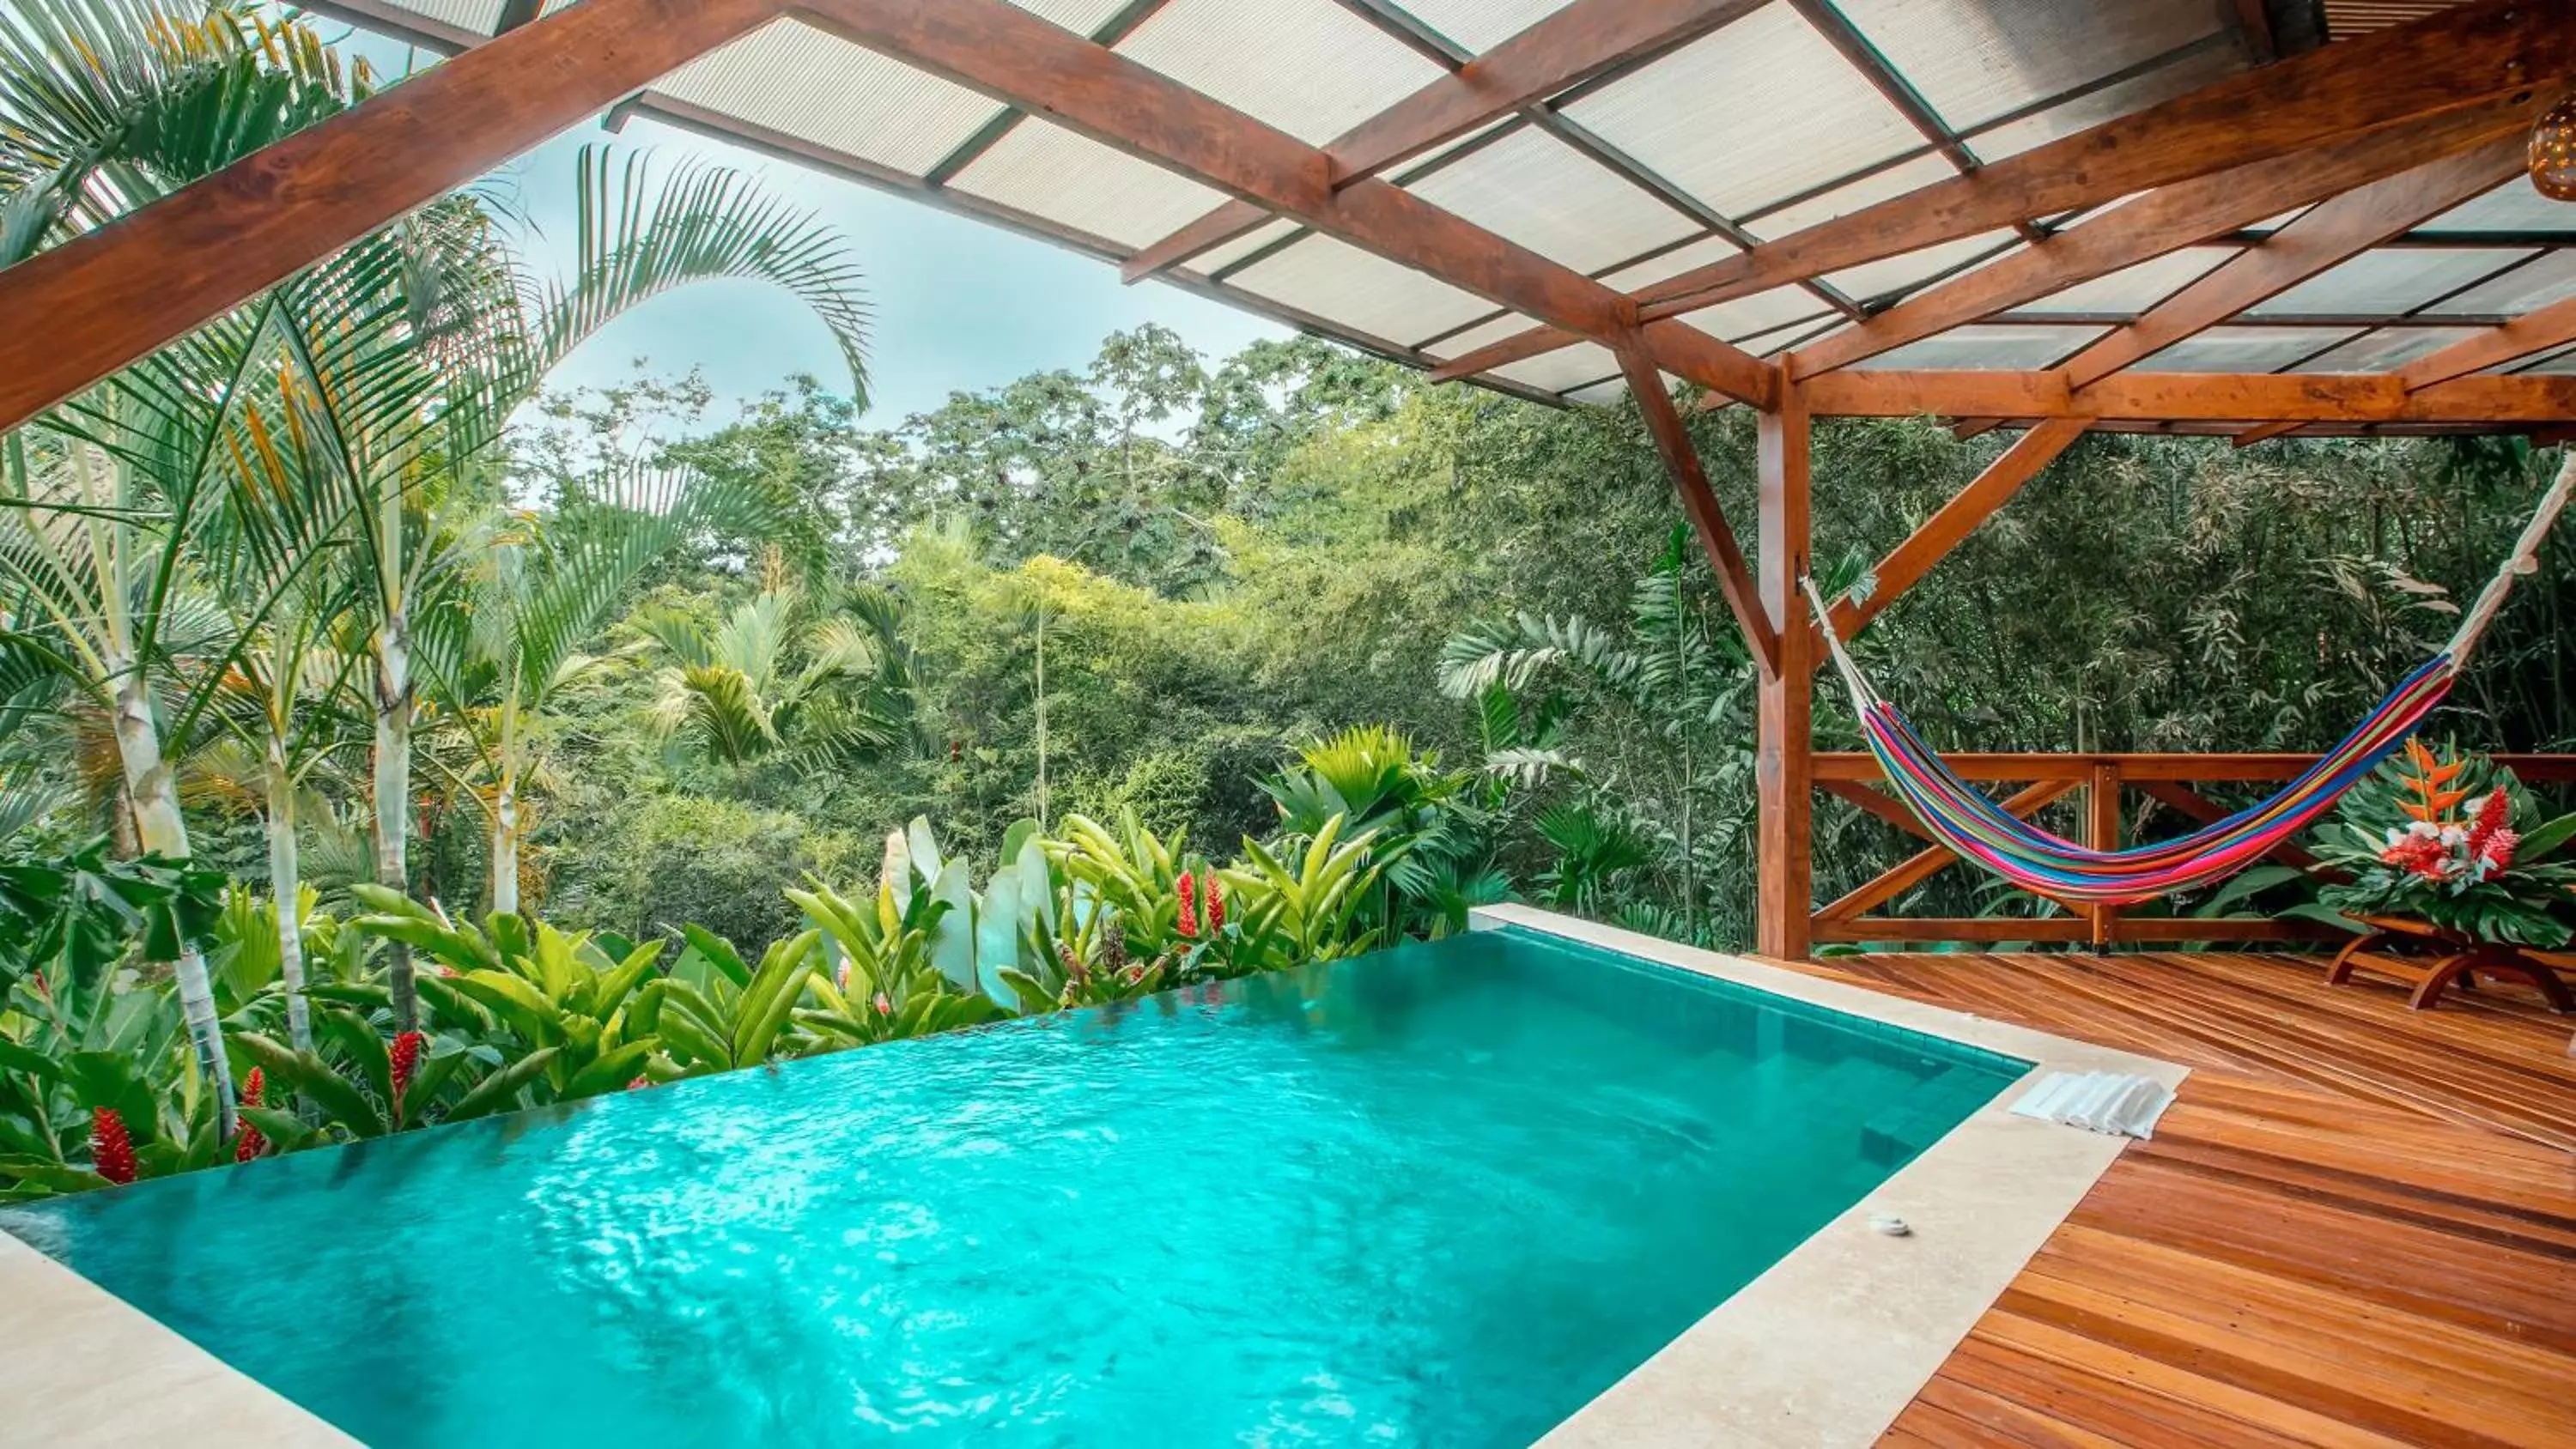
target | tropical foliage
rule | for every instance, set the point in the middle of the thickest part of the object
(2456, 841)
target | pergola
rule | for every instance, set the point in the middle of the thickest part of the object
(2250, 219)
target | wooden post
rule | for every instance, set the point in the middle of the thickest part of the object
(2102, 832)
(1784, 753)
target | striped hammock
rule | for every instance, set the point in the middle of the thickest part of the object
(1965, 820)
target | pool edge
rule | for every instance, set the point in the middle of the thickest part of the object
(83, 1366)
(1829, 1345)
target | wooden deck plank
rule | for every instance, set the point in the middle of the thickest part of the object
(2357, 1226)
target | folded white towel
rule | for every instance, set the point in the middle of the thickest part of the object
(2113, 1102)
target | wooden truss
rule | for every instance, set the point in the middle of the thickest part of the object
(2373, 136)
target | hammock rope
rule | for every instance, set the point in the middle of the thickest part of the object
(1968, 822)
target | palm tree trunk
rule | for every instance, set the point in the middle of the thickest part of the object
(393, 795)
(505, 813)
(286, 891)
(164, 832)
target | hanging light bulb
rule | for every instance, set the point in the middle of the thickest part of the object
(2553, 151)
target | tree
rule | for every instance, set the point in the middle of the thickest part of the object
(781, 676)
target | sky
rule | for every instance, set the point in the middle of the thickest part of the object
(958, 305)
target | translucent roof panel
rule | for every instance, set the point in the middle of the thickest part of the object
(1761, 312)
(1913, 269)
(1851, 196)
(2389, 280)
(1796, 334)
(1567, 367)
(2386, 348)
(2514, 206)
(2557, 364)
(2091, 109)
(1480, 25)
(1082, 17)
(1217, 258)
(1989, 348)
(1309, 67)
(1600, 394)
(792, 78)
(1050, 172)
(2245, 349)
(1483, 334)
(476, 15)
(1672, 263)
(2136, 288)
(1536, 190)
(1360, 290)
(1975, 60)
(1757, 112)
(2548, 278)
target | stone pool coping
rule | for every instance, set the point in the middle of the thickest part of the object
(78, 1365)
(1831, 1343)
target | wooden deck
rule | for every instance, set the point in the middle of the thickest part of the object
(2356, 1227)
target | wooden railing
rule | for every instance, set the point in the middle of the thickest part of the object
(2102, 780)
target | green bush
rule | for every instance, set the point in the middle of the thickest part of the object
(715, 863)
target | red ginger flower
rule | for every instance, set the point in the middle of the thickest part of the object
(249, 1142)
(406, 1057)
(641, 1081)
(111, 1148)
(1189, 923)
(2493, 814)
(1215, 905)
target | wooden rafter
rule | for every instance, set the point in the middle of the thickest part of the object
(2457, 59)
(2334, 232)
(1907, 563)
(2523, 337)
(2196, 397)
(1021, 60)
(184, 259)
(2189, 212)
(1564, 50)
(1699, 502)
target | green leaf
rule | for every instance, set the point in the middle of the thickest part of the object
(2545, 839)
(609, 1071)
(499, 1092)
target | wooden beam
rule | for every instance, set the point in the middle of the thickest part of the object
(1925, 864)
(1690, 480)
(2332, 233)
(1567, 48)
(2224, 397)
(2455, 59)
(1784, 746)
(2523, 337)
(2183, 214)
(1009, 54)
(1907, 563)
(72, 315)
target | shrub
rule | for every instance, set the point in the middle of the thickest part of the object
(714, 863)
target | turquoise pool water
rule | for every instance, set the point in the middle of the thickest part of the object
(1440, 1195)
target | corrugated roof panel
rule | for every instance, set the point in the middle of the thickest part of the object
(1601, 394)
(2135, 288)
(1308, 67)
(1796, 334)
(2386, 348)
(1568, 367)
(1360, 289)
(2536, 284)
(2244, 349)
(1975, 60)
(790, 77)
(2514, 206)
(1878, 186)
(1082, 17)
(1480, 25)
(475, 15)
(1048, 171)
(1989, 349)
(1510, 324)
(1912, 269)
(1542, 193)
(2557, 364)
(1217, 258)
(1672, 263)
(2109, 103)
(1757, 112)
(1759, 313)
(2389, 280)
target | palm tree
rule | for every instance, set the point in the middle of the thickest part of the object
(779, 677)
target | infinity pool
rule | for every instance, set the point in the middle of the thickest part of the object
(1438, 1195)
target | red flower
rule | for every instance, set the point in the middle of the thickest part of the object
(2493, 814)
(406, 1056)
(640, 1081)
(1215, 905)
(248, 1143)
(111, 1148)
(1189, 922)
(2425, 855)
(2497, 851)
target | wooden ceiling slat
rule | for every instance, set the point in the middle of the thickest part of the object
(2197, 397)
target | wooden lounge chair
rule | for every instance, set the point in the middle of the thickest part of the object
(2433, 958)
